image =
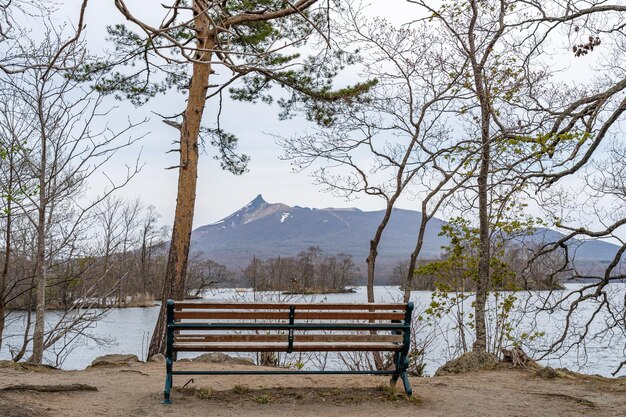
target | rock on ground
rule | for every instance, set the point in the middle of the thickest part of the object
(114, 360)
(547, 372)
(468, 362)
(219, 357)
(159, 358)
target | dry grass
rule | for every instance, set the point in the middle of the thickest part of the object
(336, 396)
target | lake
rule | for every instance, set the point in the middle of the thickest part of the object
(128, 330)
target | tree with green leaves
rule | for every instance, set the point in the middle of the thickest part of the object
(259, 44)
(529, 128)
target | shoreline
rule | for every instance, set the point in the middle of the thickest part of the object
(352, 290)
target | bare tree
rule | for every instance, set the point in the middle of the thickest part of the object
(385, 143)
(204, 274)
(149, 238)
(14, 133)
(15, 38)
(64, 150)
(310, 272)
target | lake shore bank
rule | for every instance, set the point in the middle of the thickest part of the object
(135, 390)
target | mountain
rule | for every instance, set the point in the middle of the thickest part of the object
(267, 230)
(583, 251)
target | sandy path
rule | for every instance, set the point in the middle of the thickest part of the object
(135, 390)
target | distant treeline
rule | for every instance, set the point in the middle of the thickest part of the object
(308, 272)
(514, 268)
(120, 263)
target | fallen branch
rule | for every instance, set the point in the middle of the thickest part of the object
(50, 388)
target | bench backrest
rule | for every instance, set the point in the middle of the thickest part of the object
(285, 327)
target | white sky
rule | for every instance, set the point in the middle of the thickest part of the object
(219, 193)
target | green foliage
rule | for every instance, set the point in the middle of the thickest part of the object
(460, 263)
(457, 273)
(416, 362)
(17, 191)
(144, 66)
(311, 89)
(263, 399)
(226, 145)
(459, 266)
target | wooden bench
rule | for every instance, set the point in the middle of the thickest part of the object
(281, 327)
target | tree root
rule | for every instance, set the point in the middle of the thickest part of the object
(516, 356)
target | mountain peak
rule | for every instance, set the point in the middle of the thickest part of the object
(258, 201)
(254, 210)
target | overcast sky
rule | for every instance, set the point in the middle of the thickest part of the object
(219, 193)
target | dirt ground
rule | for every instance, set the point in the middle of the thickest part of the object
(135, 390)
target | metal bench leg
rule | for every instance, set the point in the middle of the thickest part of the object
(403, 359)
(168, 383)
(405, 382)
(169, 353)
(401, 366)
(394, 379)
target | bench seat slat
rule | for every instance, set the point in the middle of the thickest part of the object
(216, 338)
(282, 347)
(185, 305)
(279, 315)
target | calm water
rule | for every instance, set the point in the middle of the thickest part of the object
(129, 330)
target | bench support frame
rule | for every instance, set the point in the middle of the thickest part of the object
(401, 358)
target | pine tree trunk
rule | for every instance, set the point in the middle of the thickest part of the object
(176, 271)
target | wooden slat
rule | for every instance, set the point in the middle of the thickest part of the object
(282, 347)
(328, 338)
(183, 305)
(277, 315)
(220, 338)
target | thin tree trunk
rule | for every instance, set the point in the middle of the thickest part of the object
(2, 313)
(142, 271)
(7, 255)
(483, 252)
(40, 274)
(371, 268)
(483, 278)
(373, 253)
(40, 261)
(408, 284)
(20, 354)
(176, 271)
